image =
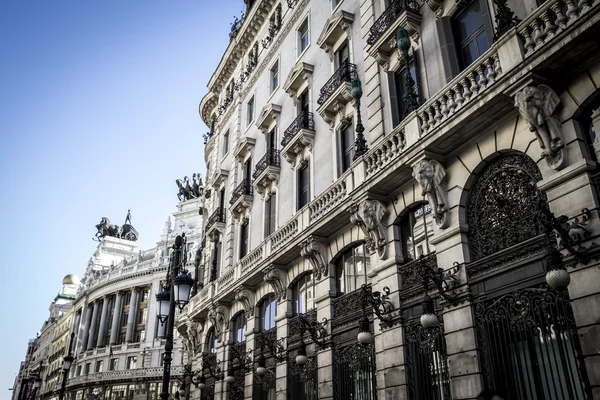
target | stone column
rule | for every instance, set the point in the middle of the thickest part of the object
(102, 329)
(92, 330)
(75, 327)
(131, 318)
(114, 330)
(86, 328)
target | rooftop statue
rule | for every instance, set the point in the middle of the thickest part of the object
(190, 189)
(127, 231)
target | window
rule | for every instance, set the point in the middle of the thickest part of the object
(304, 104)
(274, 77)
(472, 33)
(415, 228)
(88, 367)
(303, 38)
(250, 111)
(211, 342)
(351, 269)
(398, 91)
(239, 328)
(303, 186)
(132, 362)
(226, 143)
(243, 239)
(334, 3)
(99, 366)
(268, 310)
(302, 295)
(342, 55)
(79, 370)
(114, 364)
(270, 214)
(590, 125)
(346, 148)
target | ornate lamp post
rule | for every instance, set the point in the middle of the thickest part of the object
(410, 100)
(67, 362)
(360, 144)
(380, 304)
(175, 292)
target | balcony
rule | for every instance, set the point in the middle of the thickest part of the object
(382, 35)
(241, 199)
(266, 173)
(336, 92)
(216, 220)
(298, 139)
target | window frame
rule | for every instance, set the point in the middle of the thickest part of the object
(301, 199)
(250, 111)
(267, 305)
(274, 73)
(226, 142)
(341, 275)
(303, 285)
(303, 29)
(244, 239)
(270, 215)
(485, 27)
(239, 326)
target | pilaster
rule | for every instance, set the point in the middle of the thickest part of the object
(131, 316)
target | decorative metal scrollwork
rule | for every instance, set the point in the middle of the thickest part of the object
(306, 372)
(379, 302)
(271, 158)
(212, 365)
(302, 121)
(388, 17)
(268, 339)
(345, 73)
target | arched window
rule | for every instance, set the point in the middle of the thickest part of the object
(268, 310)
(415, 228)
(351, 269)
(239, 328)
(211, 342)
(590, 124)
(302, 294)
(504, 205)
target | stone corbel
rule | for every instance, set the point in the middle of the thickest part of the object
(313, 250)
(433, 180)
(276, 279)
(368, 215)
(538, 105)
(246, 297)
(218, 317)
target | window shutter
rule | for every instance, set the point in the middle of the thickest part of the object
(448, 48)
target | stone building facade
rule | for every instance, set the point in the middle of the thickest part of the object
(472, 208)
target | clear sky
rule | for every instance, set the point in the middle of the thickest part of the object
(98, 114)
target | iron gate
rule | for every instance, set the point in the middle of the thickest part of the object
(529, 346)
(354, 372)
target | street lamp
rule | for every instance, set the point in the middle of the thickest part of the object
(380, 304)
(67, 362)
(177, 289)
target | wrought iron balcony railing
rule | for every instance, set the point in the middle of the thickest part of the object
(244, 188)
(217, 216)
(270, 159)
(388, 17)
(345, 73)
(303, 121)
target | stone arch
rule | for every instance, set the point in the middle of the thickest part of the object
(502, 188)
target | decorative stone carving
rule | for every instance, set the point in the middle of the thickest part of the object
(369, 217)
(538, 105)
(276, 279)
(217, 316)
(432, 178)
(194, 337)
(314, 250)
(246, 297)
(437, 6)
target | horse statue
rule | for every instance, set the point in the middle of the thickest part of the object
(189, 188)
(105, 228)
(184, 193)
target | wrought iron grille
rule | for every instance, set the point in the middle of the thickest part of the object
(303, 121)
(271, 158)
(217, 216)
(243, 189)
(504, 206)
(427, 362)
(346, 309)
(345, 73)
(354, 373)
(302, 380)
(274, 27)
(264, 386)
(411, 276)
(236, 389)
(529, 346)
(295, 325)
(389, 16)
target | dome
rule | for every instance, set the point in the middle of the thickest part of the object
(71, 279)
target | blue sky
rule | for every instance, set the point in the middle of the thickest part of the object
(98, 114)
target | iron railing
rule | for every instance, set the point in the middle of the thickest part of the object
(303, 121)
(270, 159)
(243, 189)
(354, 372)
(345, 73)
(217, 216)
(389, 16)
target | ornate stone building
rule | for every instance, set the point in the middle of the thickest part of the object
(480, 121)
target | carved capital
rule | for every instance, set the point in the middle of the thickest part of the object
(246, 297)
(314, 251)
(276, 279)
(433, 180)
(368, 215)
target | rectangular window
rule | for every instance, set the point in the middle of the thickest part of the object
(399, 92)
(303, 186)
(243, 240)
(342, 55)
(346, 148)
(79, 370)
(472, 33)
(303, 38)
(226, 143)
(270, 215)
(114, 364)
(132, 362)
(88, 366)
(271, 140)
(304, 104)
(99, 366)
(274, 77)
(250, 111)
